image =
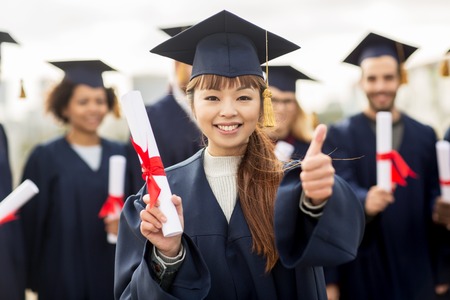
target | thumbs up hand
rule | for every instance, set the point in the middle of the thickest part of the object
(317, 174)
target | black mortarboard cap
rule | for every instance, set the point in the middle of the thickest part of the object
(226, 45)
(374, 45)
(285, 77)
(6, 38)
(173, 31)
(87, 72)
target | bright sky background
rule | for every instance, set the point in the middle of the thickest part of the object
(121, 33)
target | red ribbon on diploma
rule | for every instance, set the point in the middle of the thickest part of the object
(150, 166)
(400, 169)
(111, 205)
(444, 182)
(8, 218)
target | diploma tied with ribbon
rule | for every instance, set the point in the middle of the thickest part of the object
(153, 173)
(116, 186)
(443, 157)
(16, 199)
(391, 168)
(384, 146)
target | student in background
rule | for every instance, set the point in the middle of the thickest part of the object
(68, 256)
(293, 127)
(396, 259)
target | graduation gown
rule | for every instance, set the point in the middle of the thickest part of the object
(12, 260)
(176, 135)
(219, 263)
(300, 148)
(68, 256)
(395, 259)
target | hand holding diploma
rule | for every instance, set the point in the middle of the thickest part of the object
(16, 199)
(110, 211)
(153, 170)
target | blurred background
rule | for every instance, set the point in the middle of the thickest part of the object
(121, 33)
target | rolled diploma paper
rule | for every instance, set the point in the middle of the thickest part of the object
(142, 134)
(116, 183)
(17, 198)
(283, 150)
(443, 157)
(384, 146)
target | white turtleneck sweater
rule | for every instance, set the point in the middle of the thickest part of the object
(221, 173)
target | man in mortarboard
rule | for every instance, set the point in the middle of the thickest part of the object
(293, 128)
(396, 258)
(12, 264)
(176, 134)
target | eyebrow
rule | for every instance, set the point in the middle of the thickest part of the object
(244, 88)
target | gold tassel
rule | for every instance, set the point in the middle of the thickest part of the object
(22, 95)
(444, 68)
(269, 118)
(401, 58)
(403, 74)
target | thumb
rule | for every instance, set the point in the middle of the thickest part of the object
(319, 136)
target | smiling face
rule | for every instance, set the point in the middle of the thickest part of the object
(86, 108)
(380, 81)
(227, 116)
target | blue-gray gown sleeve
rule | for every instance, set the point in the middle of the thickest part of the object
(330, 240)
(134, 278)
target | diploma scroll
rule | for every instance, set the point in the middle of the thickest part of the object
(142, 134)
(284, 150)
(443, 157)
(17, 198)
(116, 186)
(384, 147)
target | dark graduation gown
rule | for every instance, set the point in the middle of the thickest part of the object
(395, 259)
(219, 263)
(67, 251)
(12, 260)
(300, 148)
(176, 135)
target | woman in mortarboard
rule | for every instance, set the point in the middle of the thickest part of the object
(293, 128)
(252, 229)
(68, 256)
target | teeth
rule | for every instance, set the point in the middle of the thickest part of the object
(227, 128)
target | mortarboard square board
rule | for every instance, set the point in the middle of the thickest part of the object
(226, 45)
(173, 31)
(374, 45)
(6, 38)
(285, 77)
(87, 72)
